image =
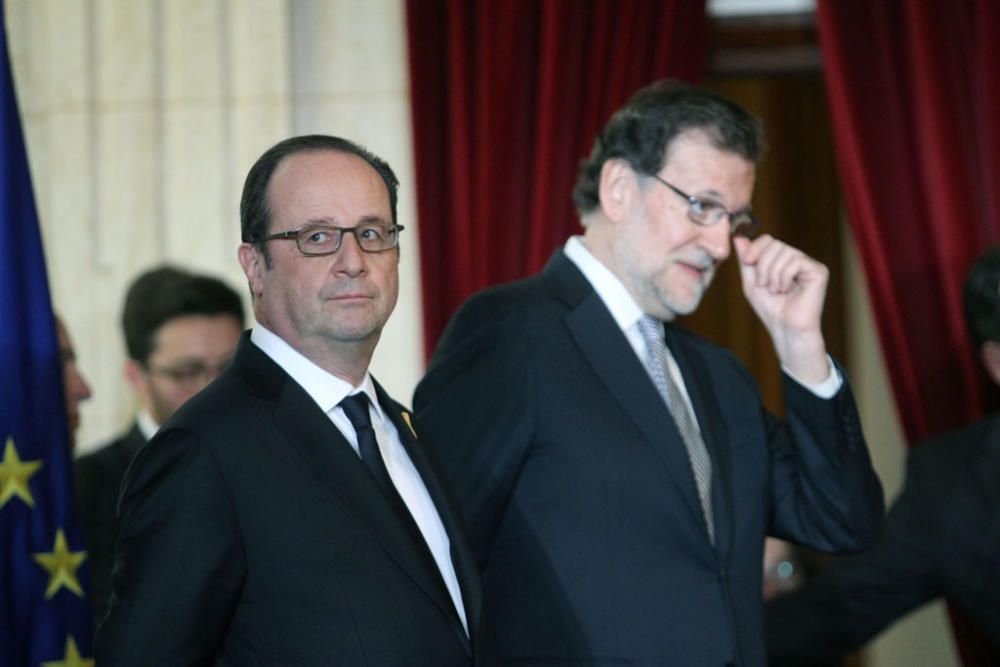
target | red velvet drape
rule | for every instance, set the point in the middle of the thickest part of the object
(915, 106)
(506, 99)
(914, 93)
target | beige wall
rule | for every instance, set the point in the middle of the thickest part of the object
(142, 118)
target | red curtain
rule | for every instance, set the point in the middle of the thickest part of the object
(507, 96)
(915, 104)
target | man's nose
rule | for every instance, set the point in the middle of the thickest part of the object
(79, 388)
(716, 239)
(349, 258)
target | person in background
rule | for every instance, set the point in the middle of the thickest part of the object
(181, 330)
(288, 514)
(76, 387)
(619, 474)
(942, 535)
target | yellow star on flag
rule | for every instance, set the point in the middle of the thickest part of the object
(14, 475)
(72, 657)
(61, 564)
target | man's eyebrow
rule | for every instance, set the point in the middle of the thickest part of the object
(368, 219)
(330, 222)
(717, 196)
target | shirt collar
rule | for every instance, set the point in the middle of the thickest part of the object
(609, 288)
(147, 425)
(325, 388)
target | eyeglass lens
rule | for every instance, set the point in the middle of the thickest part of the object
(323, 240)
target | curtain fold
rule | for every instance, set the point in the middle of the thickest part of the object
(914, 93)
(915, 106)
(506, 99)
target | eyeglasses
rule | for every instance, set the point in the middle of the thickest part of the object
(189, 375)
(705, 212)
(318, 240)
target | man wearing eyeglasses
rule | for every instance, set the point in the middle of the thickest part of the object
(181, 330)
(618, 474)
(288, 515)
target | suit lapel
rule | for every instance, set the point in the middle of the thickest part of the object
(311, 433)
(131, 444)
(461, 556)
(607, 350)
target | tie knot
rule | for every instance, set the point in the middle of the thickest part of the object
(651, 330)
(356, 409)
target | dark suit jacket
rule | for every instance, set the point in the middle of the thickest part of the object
(251, 533)
(942, 538)
(578, 491)
(98, 479)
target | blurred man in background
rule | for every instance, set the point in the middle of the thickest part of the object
(74, 384)
(181, 330)
(942, 535)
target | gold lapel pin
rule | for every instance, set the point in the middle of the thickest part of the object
(406, 418)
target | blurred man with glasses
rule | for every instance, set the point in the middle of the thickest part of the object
(181, 330)
(619, 474)
(288, 515)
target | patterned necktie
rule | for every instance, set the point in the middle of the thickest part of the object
(701, 464)
(356, 409)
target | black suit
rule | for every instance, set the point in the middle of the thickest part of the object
(252, 534)
(942, 539)
(583, 510)
(98, 479)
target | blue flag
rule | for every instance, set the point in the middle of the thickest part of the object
(45, 618)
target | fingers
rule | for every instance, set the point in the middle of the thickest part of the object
(776, 266)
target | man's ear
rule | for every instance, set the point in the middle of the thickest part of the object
(135, 375)
(616, 188)
(252, 262)
(989, 354)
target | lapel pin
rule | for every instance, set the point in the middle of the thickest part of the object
(406, 418)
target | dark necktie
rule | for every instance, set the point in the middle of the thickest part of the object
(356, 409)
(701, 464)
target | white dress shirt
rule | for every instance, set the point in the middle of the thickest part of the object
(147, 425)
(328, 391)
(626, 313)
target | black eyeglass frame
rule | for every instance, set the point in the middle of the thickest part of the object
(747, 227)
(294, 234)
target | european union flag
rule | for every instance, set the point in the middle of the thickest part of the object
(45, 619)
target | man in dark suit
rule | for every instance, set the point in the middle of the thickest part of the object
(618, 488)
(288, 515)
(942, 535)
(181, 330)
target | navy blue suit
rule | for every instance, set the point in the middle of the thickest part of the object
(577, 489)
(251, 533)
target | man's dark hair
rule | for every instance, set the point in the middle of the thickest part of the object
(255, 211)
(981, 297)
(165, 293)
(641, 131)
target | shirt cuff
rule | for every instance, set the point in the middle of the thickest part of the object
(828, 388)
